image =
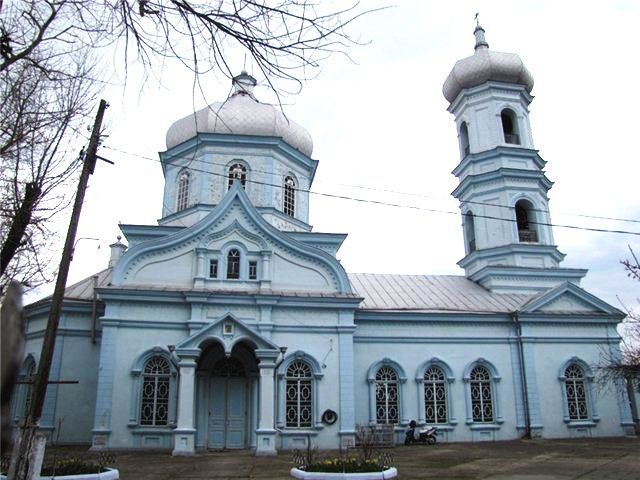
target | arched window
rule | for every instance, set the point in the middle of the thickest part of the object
(233, 264)
(289, 196)
(525, 220)
(509, 126)
(154, 405)
(299, 395)
(464, 138)
(435, 395)
(386, 385)
(182, 195)
(576, 393)
(470, 230)
(237, 171)
(481, 395)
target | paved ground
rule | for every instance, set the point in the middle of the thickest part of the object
(584, 459)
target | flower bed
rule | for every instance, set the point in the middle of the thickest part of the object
(379, 475)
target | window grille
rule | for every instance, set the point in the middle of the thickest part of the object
(576, 393)
(298, 395)
(481, 395)
(289, 196)
(213, 268)
(435, 396)
(233, 264)
(237, 171)
(182, 197)
(154, 409)
(253, 270)
(29, 389)
(386, 395)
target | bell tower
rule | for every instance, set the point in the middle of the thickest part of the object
(508, 239)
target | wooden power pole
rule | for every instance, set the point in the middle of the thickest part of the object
(29, 449)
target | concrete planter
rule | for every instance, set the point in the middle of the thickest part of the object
(110, 474)
(301, 474)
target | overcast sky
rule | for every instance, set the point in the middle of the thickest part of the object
(381, 123)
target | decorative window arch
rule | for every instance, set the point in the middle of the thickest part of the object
(237, 171)
(182, 191)
(289, 196)
(481, 394)
(576, 378)
(385, 392)
(434, 378)
(233, 263)
(21, 402)
(509, 121)
(464, 139)
(525, 221)
(298, 406)
(470, 231)
(155, 390)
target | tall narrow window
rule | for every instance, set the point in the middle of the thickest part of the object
(182, 196)
(481, 395)
(435, 396)
(510, 127)
(299, 395)
(470, 230)
(289, 196)
(386, 395)
(233, 264)
(576, 393)
(154, 408)
(524, 218)
(237, 172)
(213, 268)
(29, 375)
(253, 270)
(464, 138)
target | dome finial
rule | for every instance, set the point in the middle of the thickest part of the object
(481, 42)
(243, 84)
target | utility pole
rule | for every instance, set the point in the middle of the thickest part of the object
(29, 449)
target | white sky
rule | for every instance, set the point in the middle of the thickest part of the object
(382, 123)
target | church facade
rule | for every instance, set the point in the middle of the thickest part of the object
(231, 324)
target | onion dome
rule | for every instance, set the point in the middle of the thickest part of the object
(241, 114)
(483, 66)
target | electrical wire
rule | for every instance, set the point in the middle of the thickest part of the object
(380, 202)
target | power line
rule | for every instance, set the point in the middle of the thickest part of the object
(380, 202)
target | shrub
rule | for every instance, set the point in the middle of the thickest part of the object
(71, 466)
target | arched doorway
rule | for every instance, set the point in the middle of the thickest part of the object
(227, 386)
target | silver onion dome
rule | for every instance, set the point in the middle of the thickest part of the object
(483, 66)
(241, 114)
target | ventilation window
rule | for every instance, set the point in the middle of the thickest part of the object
(253, 270)
(525, 221)
(213, 268)
(233, 264)
(464, 138)
(510, 127)
(182, 196)
(470, 230)
(289, 196)
(238, 172)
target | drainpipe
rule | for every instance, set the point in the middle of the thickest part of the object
(523, 375)
(94, 309)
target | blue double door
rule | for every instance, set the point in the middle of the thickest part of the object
(227, 413)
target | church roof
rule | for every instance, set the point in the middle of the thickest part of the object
(446, 293)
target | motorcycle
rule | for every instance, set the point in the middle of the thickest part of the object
(425, 435)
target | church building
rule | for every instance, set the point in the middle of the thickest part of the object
(231, 324)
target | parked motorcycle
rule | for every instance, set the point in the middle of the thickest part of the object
(425, 435)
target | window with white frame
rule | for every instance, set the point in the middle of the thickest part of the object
(299, 395)
(253, 270)
(233, 264)
(237, 172)
(481, 395)
(386, 385)
(182, 195)
(576, 393)
(213, 268)
(154, 405)
(435, 395)
(289, 196)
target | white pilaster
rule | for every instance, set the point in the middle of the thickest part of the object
(266, 432)
(184, 435)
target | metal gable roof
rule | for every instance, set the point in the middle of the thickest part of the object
(453, 293)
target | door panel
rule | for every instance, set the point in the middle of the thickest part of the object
(227, 413)
(217, 412)
(236, 412)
